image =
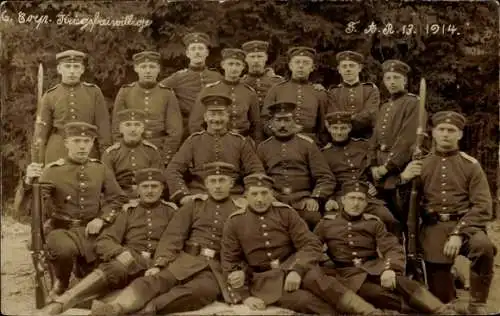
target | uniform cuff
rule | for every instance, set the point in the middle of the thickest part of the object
(109, 217)
(301, 270)
(160, 262)
(178, 195)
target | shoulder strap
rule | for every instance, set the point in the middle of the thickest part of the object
(113, 147)
(304, 137)
(145, 142)
(172, 205)
(468, 157)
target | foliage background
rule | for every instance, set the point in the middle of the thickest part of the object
(461, 70)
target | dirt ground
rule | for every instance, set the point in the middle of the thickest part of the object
(17, 296)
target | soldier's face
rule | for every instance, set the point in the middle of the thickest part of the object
(79, 146)
(256, 62)
(132, 131)
(301, 67)
(339, 132)
(349, 70)
(216, 119)
(394, 82)
(354, 203)
(147, 71)
(197, 53)
(219, 186)
(150, 191)
(259, 198)
(70, 72)
(446, 136)
(283, 125)
(232, 68)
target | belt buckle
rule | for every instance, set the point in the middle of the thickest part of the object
(357, 262)
(383, 147)
(207, 252)
(444, 217)
(146, 254)
(275, 264)
(287, 190)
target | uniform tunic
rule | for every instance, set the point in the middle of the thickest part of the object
(187, 84)
(261, 84)
(124, 159)
(201, 148)
(83, 102)
(163, 124)
(244, 111)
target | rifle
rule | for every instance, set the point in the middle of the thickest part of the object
(416, 264)
(37, 234)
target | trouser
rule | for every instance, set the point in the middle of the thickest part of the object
(481, 251)
(303, 301)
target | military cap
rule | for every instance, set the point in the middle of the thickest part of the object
(196, 37)
(355, 186)
(340, 117)
(71, 56)
(301, 51)
(350, 56)
(131, 115)
(80, 129)
(255, 46)
(235, 53)
(450, 117)
(258, 179)
(216, 101)
(219, 168)
(395, 66)
(146, 56)
(281, 108)
(149, 174)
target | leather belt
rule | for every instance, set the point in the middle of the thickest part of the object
(447, 217)
(195, 249)
(434, 217)
(356, 262)
(66, 223)
(263, 268)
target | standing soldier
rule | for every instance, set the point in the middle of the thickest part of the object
(456, 206)
(258, 77)
(311, 101)
(362, 100)
(163, 122)
(216, 143)
(124, 248)
(354, 240)
(186, 272)
(132, 152)
(188, 82)
(244, 113)
(70, 101)
(393, 138)
(301, 175)
(73, 187)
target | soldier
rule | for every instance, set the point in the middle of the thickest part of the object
(353, 239)
(259, 77)
(456, 206)
(348, 161)
(73, 187)
(188, 82)
(216, 143)
(393, 138)
(163, 122)
(71, 100)
(132, 153)
(187, 272)
(244, 113)
(301, 175)
(311, 101)
(362, 100)
(124, 248)
(267, 251)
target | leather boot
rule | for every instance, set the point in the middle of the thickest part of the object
(425, 301)
(127, 301)
(88, 287)
(479, 291)
(350, 302)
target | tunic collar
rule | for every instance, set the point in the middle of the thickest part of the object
(446, 153)
(221, 133)
(197, 68)
(130, 145)
(147, 86)
(342, 143)
(68, 86)
(76, 162)
(398, 95)
(299, 81)
(348, 85)
(231, 83)
(150, 205)
(349, 217)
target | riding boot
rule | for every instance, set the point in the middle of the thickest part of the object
(127, 301)
(425, 301)
(479, 291)
(350, 302)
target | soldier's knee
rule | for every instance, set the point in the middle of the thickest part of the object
(312, 275)
(60, 245)
(481, 245)
(115, 272)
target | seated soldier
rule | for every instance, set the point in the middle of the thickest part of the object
(301, 175)
(125, 248)
(186, 274)
(132, 153)
(353, 239)
(267, 251)
(348, 160)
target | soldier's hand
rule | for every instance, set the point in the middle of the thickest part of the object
(412, 170)
(254, 303)
(292, 281)
(311, 205)
(331, 205)
(382, 171)
(94, 227)
(186, 199)
(34, 170)
(388, 279)
(318, 87)
(375, 173)
(125, 258)
(452, 246)
(152, 271)
(372, 190)
(236, 279)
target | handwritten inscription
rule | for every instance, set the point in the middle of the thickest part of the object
(389, 29)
